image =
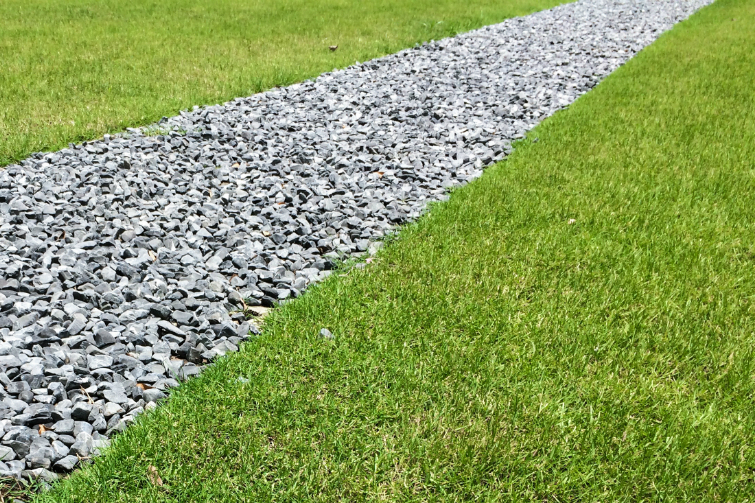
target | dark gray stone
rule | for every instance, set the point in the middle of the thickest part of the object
(81, 411)
(83, 445)
(103, 338)
(66, 464)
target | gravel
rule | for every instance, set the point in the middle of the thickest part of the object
(125, 262)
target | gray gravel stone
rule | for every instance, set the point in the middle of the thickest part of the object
(12, 469)
(66, 464)
(6, 453)
(40, 473)
(153, 395)
(117, 397)
(99, 361)
(81, 411)
(83, 445)
(65, 426)
(40, 454)
(9, 361)
(60, 450)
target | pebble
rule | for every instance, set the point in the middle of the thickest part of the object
(326, 334)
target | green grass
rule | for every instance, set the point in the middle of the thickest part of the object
(577, 325)
(73, 70)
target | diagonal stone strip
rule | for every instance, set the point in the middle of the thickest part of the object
(124, 261)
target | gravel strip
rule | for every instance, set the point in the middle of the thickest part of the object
(124, 261)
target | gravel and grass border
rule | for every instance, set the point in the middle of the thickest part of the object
(575, 325)
(130, 262)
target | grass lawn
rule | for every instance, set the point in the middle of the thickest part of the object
(577, 325)
(73, 70)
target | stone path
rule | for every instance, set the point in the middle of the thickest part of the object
(125, 262)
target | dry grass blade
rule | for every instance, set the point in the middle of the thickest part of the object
(153, 476)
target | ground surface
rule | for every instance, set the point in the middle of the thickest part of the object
(74, 70)
(128, 262)
(575, 325)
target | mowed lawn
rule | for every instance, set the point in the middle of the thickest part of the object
(577, 325)
(73, 70)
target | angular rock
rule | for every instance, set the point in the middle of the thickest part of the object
(66, 464)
